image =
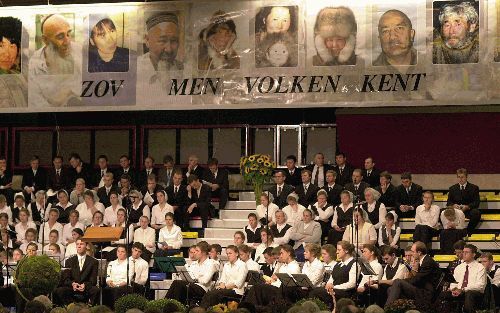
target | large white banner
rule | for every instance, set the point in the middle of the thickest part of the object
(249, 54)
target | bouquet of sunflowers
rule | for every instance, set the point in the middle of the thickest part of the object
(256, 170)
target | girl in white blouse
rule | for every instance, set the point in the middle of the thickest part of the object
(159, 210)
(293, 211)
(111, 212)
(88, 208)
(23, 226)
(266, 238)
(366, 232)
(266, 210)
(170, 237)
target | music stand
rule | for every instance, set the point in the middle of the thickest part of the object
(367, 268)
(170, 264)
(303, 281)
(100, 235)
(287, 280)
(255, 278)
(184, 274)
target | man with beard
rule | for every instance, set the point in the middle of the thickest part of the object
(396, 36)
(10, 45)
(457, 39)
(215, 49)
(59, 56)
(335, 37)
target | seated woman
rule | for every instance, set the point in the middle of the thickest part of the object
(64, 206)
(389, 233)
(38, 207)
(76, 233)
(30, 237)
(67, 236)
(111, 212)
(252, 230)
(121, 221)
(304, 232)
(159, 210)
(23, 226)
(88, 207)
(364, 234)
(342, 216)
(453, 221)
(245, 252)
(170, 237)
(370, 255)
(263, 295)
(376, 210)
(267, 241)
(137, 207)
(293, 210)
(323, 212)
(232, 280)
(266, 210)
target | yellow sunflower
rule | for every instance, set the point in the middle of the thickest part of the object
(254, 167)
(260, 160)
(251, 158)
(267, 164)
(247, 170)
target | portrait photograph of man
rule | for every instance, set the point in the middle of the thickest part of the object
(10, 45)
(396, 37)
(456, 32)
(106, 44)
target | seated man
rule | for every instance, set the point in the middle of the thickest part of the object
(280, 190)
(139, 268)
(146, 236)
(493, 274)
(117, 283)
(387, 190)
(199, 196)
(426, 220)
(306, 190)
(465, 197)
(218, 180)
(80, 283)
(471, 281)
(408, 197)
(358, 186)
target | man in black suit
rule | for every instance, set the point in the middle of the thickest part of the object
(58, 177)
(104, 191)
(333, 190)
(178, 199)
(464, 196)
(80, 283)
(306, 190)
(193, 168)
(125, 168)
(344, 170)
(371, 175)
(6, 181)
(423, 280)
(151, 188)
(218, 180)
(98, 177)
(408, 196)
(292, 172)
(387, 190)
(358, 186)
(166, 172)
(148, 169)
(280, 190)
(199, 196)
(318, 170)
(79, 169)
(34, 178)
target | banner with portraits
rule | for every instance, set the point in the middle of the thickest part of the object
(249, 54)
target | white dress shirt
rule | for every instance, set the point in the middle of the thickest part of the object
(117, 272)
(68, 229)
(252, 265)
(141, 269)
(203, 273)
(110, 215)
(314, 271)
(459, 221)
(287, 268)
(427, 217)
(259, 251)
(377, 268)
(400, 272)
(70, 250)
(324, 213)
(395, 239)
(236, 274)
(146, 237)
(293, 217)
(321, 175)
(286, 238)
(21, 230)
(382, 212)
(271, 209)
(496, 279)
(477, 277)
(351, 283)
(46, 232)
(85, 216)
(172, 237)
(158, 213)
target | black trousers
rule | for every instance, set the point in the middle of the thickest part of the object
(325, 228)
(471, 299)
(203, 212)
(400, 288)
(448, 237)
(408, 214)
(111, 294)
(263, 295)
(223, 195)
(66, 295)
(183, 291)
(474, 216)
(424, 233)
(214, 297)
(335, 236)
(294, 294)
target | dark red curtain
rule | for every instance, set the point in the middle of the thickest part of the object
(423, 143)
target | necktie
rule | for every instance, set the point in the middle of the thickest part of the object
(316, 176)
(368, 173)
(82, 260)
(329, 188)
(176, 189)
(466, 277)
(102, 173)
(305, 188)
(149, 172)
(355, 188)
(133, 271)
(341, 170)
(58, 172)
(279, 191)
(408, 190)
(462, 187)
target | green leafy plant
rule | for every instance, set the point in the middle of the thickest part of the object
(37, 275)
(321, 305)
(132, 301)
(256, 170)
(400, 306)
(161, 303)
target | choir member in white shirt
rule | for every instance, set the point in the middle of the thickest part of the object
(127, 236)
(76, 233)
(48, 226)
(111, 211)
(139, 268)
(19, 203)
(238, 238)
(281, 230)
(263, 294)
(266, 209)
(453, 221)
(389, 233)
(159, 210)
(88, 208)
(214, 254)
(169, 238)
(376, 210)
(471, 281)
(97, 219)
(366, 232)
(4, 208)
(231, 282)
(6, 242)
(426, 220)
(342, 217)
(30, 237)
(252, 230)
(63, 206)
(54, 239)
(117, 283)
(370, 256)
(145, 235)
(245, 252)
(493, 272)
(38, 208)
(323, 212)
(293, 211)
(202, 271)
(267, 240)
(23, 226)
(329, 257)
(67, 236)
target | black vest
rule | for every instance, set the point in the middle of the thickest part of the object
(340, 275)
(373, 216)
(390, 272)
(344, 218)
(279, 234)
(135, 215)
(385, 238)
(251, 236)
(492, 272)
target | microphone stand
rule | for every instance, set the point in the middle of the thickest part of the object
(43, 226)
(127, 244)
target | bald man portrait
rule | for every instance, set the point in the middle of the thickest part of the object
(396, 35)
(59, 55)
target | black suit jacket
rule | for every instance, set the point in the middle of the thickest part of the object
(104, 197)
(63, 182)
(309, 197)
(374, 179)
(326, 168)
(414, 198)
(470, 196)
(203, 200)
(281, 200)
(222, 178)
(346, 176)
(144, 190)
(428, 274)
(96, 177)
(389, 197)
(131, 172)
(333, 194)
(142, 177)
(39, 180)
(87, 276)
(198, 171)
(6, 178)
(359, 195)
(180, 199)
(86, 173)
(294, 179)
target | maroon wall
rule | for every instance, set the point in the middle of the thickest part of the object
(423, 143)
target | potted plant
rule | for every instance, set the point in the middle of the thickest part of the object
(37, 275)
(131, 301)
(256, 170)
(161, 303)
